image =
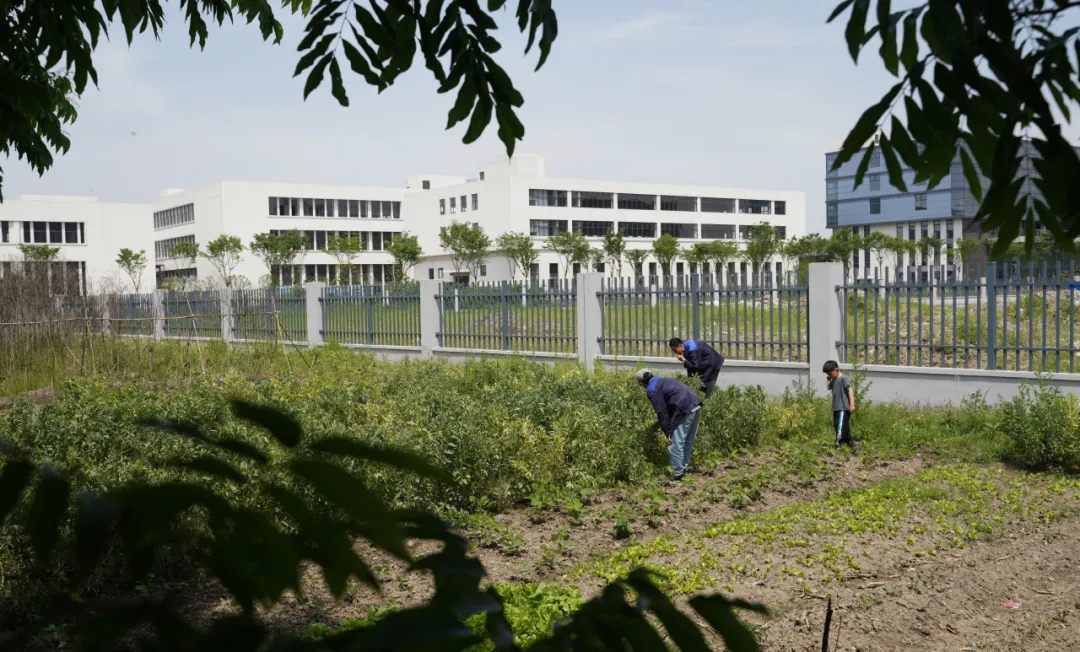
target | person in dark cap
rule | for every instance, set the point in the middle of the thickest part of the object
(700, 360)
(678, 412)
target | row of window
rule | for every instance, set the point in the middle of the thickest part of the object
(308, 207)
(63, 276)
(351, 275)
(174, 216)
(638, 202)
(433, 274)
(920, 203)
(372, 240)
(735, 270)
(163, 248)
(464, 205)
(684, 231)
(44, 232)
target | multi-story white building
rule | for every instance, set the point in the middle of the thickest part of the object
(507, 196)
(88, 233)
(517, 196)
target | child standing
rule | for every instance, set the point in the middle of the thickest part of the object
(843, 402)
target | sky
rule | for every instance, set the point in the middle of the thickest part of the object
(740, 93)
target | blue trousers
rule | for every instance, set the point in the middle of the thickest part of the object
(682, 441)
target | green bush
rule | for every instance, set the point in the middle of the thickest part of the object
(1043, 425)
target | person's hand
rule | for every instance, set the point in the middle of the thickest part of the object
(668, 439)
(852, 410)
(680, 357)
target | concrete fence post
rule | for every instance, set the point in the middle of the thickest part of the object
(430, 317)
(106, 323)
(313, 294)
(826, 317)
(157, 312)
(590, 317)
(226, 310)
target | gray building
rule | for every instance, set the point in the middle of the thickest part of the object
(945, 212)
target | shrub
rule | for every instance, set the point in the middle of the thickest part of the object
(1043, 425)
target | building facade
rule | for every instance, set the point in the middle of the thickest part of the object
(506, 196)
(946, 211)
(517, 196)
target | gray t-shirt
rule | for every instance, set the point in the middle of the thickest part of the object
(840, 395)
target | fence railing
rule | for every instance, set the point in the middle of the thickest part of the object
(745, 322)
(386, 315)
(269, 314)
(192, 314)
(539, 316)
(1023, 319)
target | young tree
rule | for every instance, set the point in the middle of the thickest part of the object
(39, 253)
(467, 245)
(978, 114)
(665, 249)
(223, 252)
(804, 249)
(277, 250)
(614, 246)
(930, 250)
(187, 253)
(519, 250)
(133, 264)
(571, 248)
(345, 249)
(722, 252)
(44, 101)
(407, 253)
(841, 246)
(636, 258)
(762, 244)
(964, 250)
(698, 255)
(597, 258)
(878, 244)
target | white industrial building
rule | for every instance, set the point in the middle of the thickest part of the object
(514, 195)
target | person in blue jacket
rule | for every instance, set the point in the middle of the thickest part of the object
(700, 360)
(678, 412)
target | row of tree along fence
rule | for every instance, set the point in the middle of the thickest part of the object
(983, 321)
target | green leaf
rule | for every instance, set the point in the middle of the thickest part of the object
(717, 611)
(349, 494)
(315, 77)
(13, 481)
(971, 173)
(481, 117)
(366, 452)
(901, 140)
(866, 126)
(855, 32)
(887, 23)
(47, 511)
(314, 53)
(281, 427)
(840, 8)
(896, 172)
(360, 65)
(909, 51)
(466, 99)
(230, 444)
(337, 88)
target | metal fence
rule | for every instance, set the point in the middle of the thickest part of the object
(540, 316)
(192, 314)
(270, 314)
(131, 314)
(744, 322)
(1022, 318)
(387, 315)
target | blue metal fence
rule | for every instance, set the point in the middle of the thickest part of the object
(270, 314)
(192, 314)
(386, 315)
(132, 314)
(539, 316)
(743, 322)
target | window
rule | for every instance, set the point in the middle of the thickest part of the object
(453, 205)
(464, 203)
(354, 208)
(875, 206)
(637, 229)
(544, 197)
(376, 241)
(781, 232)
(633, 202)
(924, 227)
(718, 231)
(179, 215)
(832, 189)
(744, 231)
(343, 207)
(442, 207)
(294, 206)
(591, 199)
(475, 201)
(396, 207)
(593, 229)
(376, 209)
(363, 208)
(483, 270)
(56, 232)
(682, 231)
(386, 208)
(937, 228)
(534, 271)
(309, 207)
(40, 232)
(911, 231)
(440, 272)
(5, 231)
(677, 203)
(26, 232)
(553, 270)
(780, 208)
(330, 207)
(832, 211)
(679, 269)
(163, 249)
(899, 230)
(875, 158)
(430, 272)
(273, 207)
(481, 176)
(320, 240)
(546, 228)
(426, 185)
(717, 205)
(875, 182)
(920, 201)
(755, 206)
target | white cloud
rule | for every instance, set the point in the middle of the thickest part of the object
(644, 25)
